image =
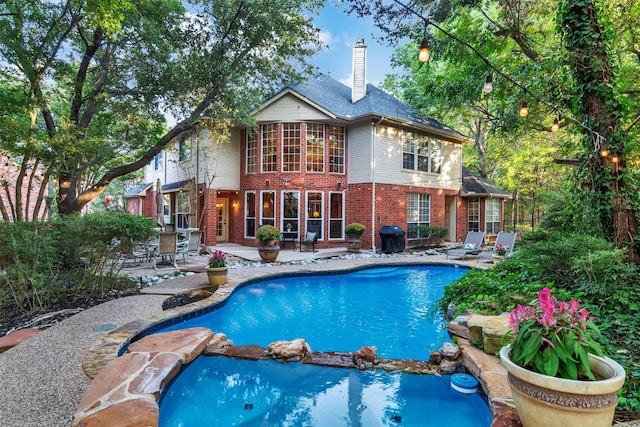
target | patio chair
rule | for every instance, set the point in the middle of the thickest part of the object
(192, 245)
(130, 251)
(310, 238)
(167, 247)
(506, 239)
(472, 245)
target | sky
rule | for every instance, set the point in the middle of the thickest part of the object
(340, 32)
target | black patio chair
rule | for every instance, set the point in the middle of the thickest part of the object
(310, 238)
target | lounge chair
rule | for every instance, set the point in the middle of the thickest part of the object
(472, 245)
(505, 239)
(310, 238)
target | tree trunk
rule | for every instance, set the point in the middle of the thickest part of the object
(592, 70)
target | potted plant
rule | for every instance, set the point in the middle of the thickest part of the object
(217, 269)
(557, 372)
(354, 233)
(289, 227)
(501, 252)
(269, 238)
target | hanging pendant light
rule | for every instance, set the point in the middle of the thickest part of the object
(488, 84)
(424, 51)
(555, 127)
(524, 109)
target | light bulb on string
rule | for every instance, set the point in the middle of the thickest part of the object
(424, 51)
(488, 84)
(555, 127)
(524, 109)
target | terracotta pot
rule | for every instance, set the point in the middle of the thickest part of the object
(217, 276)
(269, 250)
(547, 401)
(353, 242)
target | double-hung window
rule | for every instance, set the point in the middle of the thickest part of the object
(421, 154)
(336, 149)
(418, 213)
(250, 214)
(252, 151)
(269, 147)
(474, 214)
(291, 144)
(492, 216)
(315, 147)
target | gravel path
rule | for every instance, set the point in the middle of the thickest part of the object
(41, 381)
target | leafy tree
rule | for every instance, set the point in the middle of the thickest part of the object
(565, 58)
(95, 78)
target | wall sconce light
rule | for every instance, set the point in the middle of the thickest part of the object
(267, 183)
(235, 204)
(488, 84)
(339, 186)
(424, 51)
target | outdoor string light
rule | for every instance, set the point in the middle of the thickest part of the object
(556, 124)
(424, 51)
(524, 109)
(488, 84)
(599, 140)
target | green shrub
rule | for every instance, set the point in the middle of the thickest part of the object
(583, 267)
(66, 257)
(430, 236)
(355, 228)
(553, 259)
(267, 233)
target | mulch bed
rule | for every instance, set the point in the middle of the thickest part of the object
(13, 318)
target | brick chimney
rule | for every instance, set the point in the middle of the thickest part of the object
(359, 83)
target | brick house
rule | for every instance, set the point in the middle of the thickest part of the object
(323, 154)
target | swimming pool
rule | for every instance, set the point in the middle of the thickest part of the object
(391, 308)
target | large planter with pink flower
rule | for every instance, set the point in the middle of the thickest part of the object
(217, 269)
(556, 379)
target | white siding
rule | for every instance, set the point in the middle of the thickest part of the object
(290, 109)
(388, 155)
(222, 160)
(359, 153)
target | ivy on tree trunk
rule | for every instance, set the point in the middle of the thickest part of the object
(586, 39)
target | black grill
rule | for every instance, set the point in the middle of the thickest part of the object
(392, 238)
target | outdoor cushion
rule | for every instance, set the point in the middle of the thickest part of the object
(310, 236)
(470, 246)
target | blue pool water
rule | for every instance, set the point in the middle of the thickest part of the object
(217, 391)
(391, 308)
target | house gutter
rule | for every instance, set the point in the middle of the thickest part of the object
(373, 182)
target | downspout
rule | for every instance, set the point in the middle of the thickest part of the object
(197, 183)
(373, 183)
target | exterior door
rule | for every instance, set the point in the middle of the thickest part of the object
(450, 217)
(222, 224)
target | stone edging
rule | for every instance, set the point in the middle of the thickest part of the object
(136, 392)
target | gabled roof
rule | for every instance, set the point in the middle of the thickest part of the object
(138, 190)
(334, 98)
(473, 185)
